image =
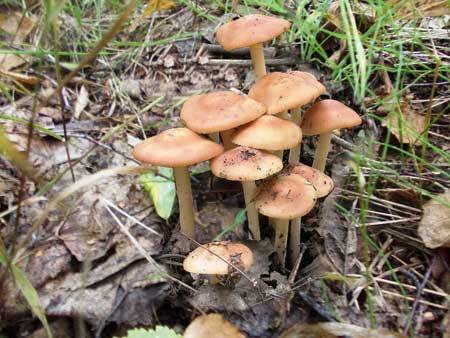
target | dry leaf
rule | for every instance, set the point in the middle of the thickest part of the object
(434, 228)
(82, 102)
(23, 78)
(420, 8)
(157, 5)
(407, 125)
(335, 330)
(17, 27)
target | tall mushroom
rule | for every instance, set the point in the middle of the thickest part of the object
(219, 112)
(321, 119)
(323, 185)
(179, 148)
(252, 31)
(284, 198)
(247, 165)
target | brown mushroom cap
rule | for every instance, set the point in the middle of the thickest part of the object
(250, 30)
(321, 182)
(245, 164)
(281, 91)
(206, 262)
(218, 111)
(328, 115)
(286, 197)
(268, 133)
(176, 147)
(212, 325)
(311, 79)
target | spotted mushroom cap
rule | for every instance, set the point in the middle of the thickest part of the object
(328, 115)
(250, 30)
(269, 133)
(280, 92)
(311, 80)
(286, 197)
(212, 325)
(204, 260)
(245, 164)
(321, 182)
(218, 111)
(176, 147)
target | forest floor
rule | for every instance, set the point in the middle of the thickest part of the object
(82, 246)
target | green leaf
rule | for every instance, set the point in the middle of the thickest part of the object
(239, 219)
(158, 332)
(161, 190)
(27, 290)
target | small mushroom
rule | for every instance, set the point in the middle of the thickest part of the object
(252, 31)
(179, 148)
(247, 165)
(212, 325)
(323, 185)
(284, 198)
(218, 258)
(218, 112)
(321, 119)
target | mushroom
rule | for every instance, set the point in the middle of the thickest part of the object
(219, 112)
(179, 148)
(321, 119)
(212, 325)
(323, 185)
(218, 258)
(284, 198)
(252, 31)
(247, 165)
(280, 92)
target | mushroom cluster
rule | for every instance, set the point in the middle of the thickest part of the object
(248, 135)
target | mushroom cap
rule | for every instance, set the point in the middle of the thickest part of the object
(176, 147)
(206, 262)
(282, 91)
(286, 197)
(245, 164)
(250, 30)
(269, 133)
(212, 325)
(311, 79)
(321, 182)
(328, 115)
(218, 111)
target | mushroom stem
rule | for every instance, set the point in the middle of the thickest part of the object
(249, 188)
(294, 153)
(281, 236)
(226, 139)
(259, 64)
(322, 148)
(294, 239)
(185, 201)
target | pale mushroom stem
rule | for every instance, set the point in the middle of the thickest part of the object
(322, 148)
(294, 153)
(259, 64)
(249, 188)
(294, 238)
(281, 237)
(185, 201)
(226, 139)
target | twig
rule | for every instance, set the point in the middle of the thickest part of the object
(142, 251)
(420, 288)
(253, 281)
(294, 271)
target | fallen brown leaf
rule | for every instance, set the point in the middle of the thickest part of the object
(23, 78)
(434, 228)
